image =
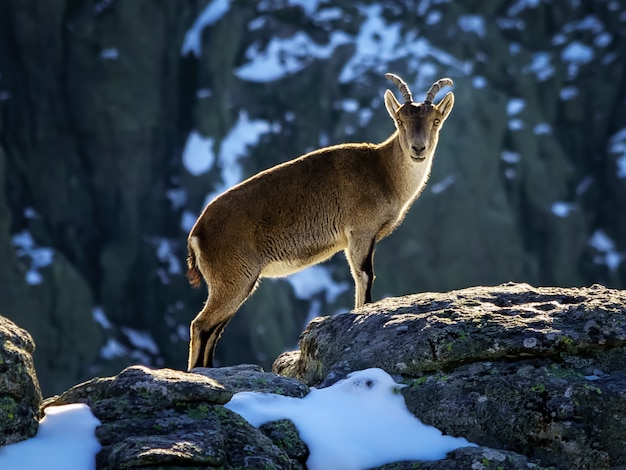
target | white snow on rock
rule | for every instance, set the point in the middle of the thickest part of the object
(40, 257)
(617, 145)
(540, 65)
(510, 157)
(577, 53)
(100, 317)
(315, 279)
(187, 220)
(282, 57)
(442, 185)
(198, 156)
(110, 53)
(244, 134)
(568, 92)
(515, 106)
(562, 209)
(113, 349)
(66, 439)
(141, 340)
(607, 254)
(359, 422)
(211, 14)
(472, 24)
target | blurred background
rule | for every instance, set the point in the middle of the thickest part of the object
(120, 120)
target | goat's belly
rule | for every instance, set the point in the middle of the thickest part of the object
(282, 268)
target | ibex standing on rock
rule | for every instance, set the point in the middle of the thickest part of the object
(299, 213)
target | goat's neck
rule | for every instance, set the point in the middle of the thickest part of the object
(407, 175)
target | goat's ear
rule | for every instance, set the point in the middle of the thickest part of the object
(446, 105)
(391, 103)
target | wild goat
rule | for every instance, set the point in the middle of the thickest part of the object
(301, 212)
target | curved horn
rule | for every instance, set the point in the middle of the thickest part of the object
(404, 89)
(438, 85)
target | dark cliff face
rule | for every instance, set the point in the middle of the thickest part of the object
(98, 101)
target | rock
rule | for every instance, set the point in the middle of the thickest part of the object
(538, 371)
(246, 377)
(475, 458)
(20, 396)
(168, 419)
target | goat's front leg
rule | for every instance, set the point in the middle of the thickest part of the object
(360, 254)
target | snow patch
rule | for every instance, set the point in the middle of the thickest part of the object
(66, 439)
(316, 279)
(165, 253)
(198, 156)
(540, 65)
(286, 56)
(441, 186)
(568, 92)
(359, 422)
(510, 157)
(100, 317)
(112, 349)
(562, 209)
(617, 145)
(177, 196)
(479, 82)
(244, 134)
(472, 24)
(211, 14)
(515, 106)
(606, 250)
(40, 257)
(522, 5)
(141, 340)
(187, 221)
(542, 128)
(110, 53)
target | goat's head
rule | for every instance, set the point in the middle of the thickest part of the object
(418, 124)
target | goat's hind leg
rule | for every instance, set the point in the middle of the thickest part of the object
(223, 302)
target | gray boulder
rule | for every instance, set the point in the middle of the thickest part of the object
(169, 419)
(20, 396)
(538, 371)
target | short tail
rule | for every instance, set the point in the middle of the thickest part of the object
(193, 273)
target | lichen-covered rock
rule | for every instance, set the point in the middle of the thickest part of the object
(246, 377)
(20, 396)
(539, 371)
(168, 419)
(474, 458)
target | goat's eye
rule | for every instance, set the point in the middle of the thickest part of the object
(437, 122)
(399, 123)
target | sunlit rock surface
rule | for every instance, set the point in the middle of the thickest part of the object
(539, 371)
(20, 396)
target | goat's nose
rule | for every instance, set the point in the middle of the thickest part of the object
(418, 150)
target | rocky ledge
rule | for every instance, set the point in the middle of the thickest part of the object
(538, 371)
(535, 376)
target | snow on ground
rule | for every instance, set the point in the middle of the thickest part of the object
(66, 440)
(357, 423)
